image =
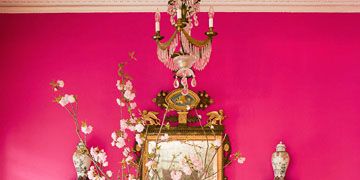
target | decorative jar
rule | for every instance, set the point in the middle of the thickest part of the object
(82, 161)
(280, 161)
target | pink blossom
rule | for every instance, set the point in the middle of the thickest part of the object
(119, 85)
(133, 105)
(176, 175)
(149, 164)
(128, 159)
(86, 129)
(99, 155)
(138, 139)
(129, 95)
(185, 166)
(164, 137)
(123, 124)
(120, 142)
(119, 102)
(60, 83)
(128, 85)
(126, 151)
(70, 98)
(66, 99)
(241, 160)
(186, 169)
(196, 161)
(109, 173)
(217, 143)
(139, 127)
(63, 101)
(131, 177)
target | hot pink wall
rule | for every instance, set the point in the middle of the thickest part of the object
(290, 77)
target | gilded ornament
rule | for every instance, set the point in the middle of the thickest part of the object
(216, 117)
(150, 117)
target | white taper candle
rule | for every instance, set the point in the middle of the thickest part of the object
(211, 22)
(157, 26)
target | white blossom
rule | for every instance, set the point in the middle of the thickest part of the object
(119, 85)
(217, 143)
(139, 127)
(99, 155)
(133, 105)
(164, 137)
(129, 159)
(138, 139)
(109, 173)
(126, 151)
(129, 95)
(176, 175)
(241, 160)
(128, 85)
(119, 102)
(86, 129)
(60, 83)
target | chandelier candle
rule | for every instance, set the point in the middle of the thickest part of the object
(211, 17)
(157, 21)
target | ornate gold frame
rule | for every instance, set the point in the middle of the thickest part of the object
(187, 133)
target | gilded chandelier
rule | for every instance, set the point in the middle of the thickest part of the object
(182, 52)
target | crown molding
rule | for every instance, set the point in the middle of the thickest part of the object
(80, 6)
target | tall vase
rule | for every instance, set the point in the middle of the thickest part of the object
(82, 161)
(280, 161)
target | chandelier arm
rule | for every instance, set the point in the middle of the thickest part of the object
(165, 45)
(198, 43)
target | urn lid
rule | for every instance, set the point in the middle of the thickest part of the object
(280, 147)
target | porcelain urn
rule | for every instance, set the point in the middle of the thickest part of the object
(280, 161)
(81, 161)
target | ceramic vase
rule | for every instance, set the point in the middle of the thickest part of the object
(280, 161)
(81, 161)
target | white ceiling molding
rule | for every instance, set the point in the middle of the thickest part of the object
(80, 6)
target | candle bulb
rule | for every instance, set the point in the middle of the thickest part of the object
(211, 17)
(157, 26)
(157, 21)
(178, 13)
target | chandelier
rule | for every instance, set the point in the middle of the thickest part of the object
(181, 52)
